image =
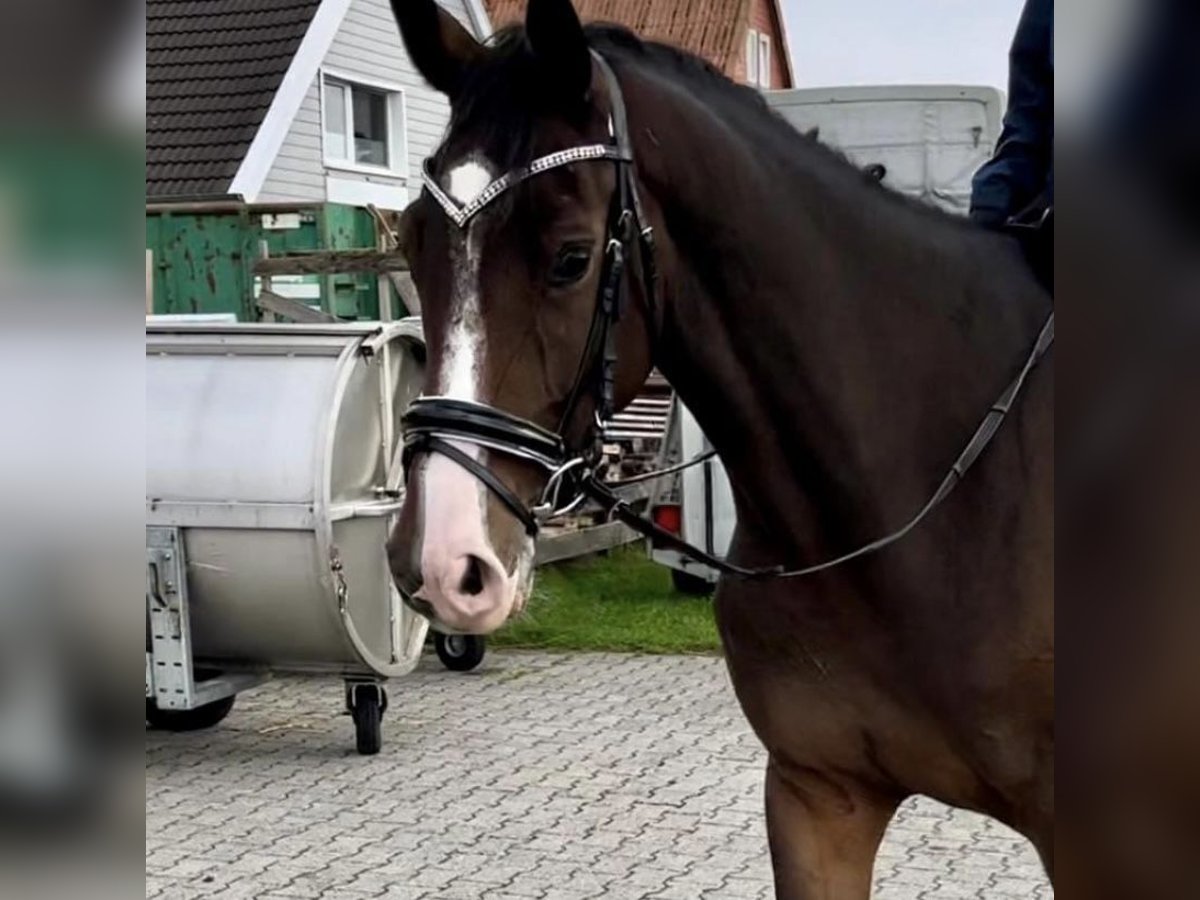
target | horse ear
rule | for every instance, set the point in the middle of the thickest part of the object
(438, 45)
(559, 44)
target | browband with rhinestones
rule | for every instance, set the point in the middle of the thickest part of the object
(461, 214)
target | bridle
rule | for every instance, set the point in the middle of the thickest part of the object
(431, 424)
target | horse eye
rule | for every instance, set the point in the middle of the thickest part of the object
(570, 264)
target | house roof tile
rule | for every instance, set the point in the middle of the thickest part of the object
(711, 29)
(212, 69)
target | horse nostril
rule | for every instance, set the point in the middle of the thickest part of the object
(472, 581)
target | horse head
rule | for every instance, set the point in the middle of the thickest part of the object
(509, 244)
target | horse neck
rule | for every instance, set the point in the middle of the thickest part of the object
(837, 346)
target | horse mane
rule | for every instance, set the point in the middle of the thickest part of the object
(503, 94)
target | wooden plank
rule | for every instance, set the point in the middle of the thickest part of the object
(634, 494)
(638, 420)
(291, 309)
(385, 240)
(333, 262)
(583, 542)
(264, 251)
(407, 290)
(401, 281)
(224, 204)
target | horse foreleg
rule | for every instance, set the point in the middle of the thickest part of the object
(824, 833)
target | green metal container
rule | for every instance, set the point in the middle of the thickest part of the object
(203, 253)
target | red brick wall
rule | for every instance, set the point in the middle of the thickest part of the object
(762, 20)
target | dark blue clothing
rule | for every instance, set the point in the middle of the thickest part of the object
(1021, 169)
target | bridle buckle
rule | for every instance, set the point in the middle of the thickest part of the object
(625, 225)
(548, 506)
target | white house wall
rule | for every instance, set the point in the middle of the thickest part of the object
(366, 46)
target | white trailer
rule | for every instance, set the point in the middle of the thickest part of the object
(928, 139)
(696, 504)
(924, 141)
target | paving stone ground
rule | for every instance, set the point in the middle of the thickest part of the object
(557, 777)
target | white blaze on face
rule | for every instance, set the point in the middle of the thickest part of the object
(464, 349)
(454, 501)
(467, 180)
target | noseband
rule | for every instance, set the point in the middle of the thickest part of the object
(431, 423)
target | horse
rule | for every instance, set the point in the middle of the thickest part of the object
(602, 204)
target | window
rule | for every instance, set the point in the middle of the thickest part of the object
(360, 122)
(758, 59)
(337, 118)
(752, 57)
(370, 127)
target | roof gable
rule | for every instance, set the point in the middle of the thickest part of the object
(779, 24)
(212, 70)
(712, 29)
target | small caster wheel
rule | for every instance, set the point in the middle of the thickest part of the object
(692, 585)
(459, 652)
(205, 716)
(367, 704)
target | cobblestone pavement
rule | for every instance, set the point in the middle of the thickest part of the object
(538, 776)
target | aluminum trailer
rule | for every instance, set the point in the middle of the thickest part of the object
(273, 474)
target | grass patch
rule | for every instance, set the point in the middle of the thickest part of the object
(622, 601)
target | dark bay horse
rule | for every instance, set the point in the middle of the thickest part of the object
(838, 344)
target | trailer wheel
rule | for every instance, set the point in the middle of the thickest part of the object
(692, 585)
(367, 712)
(459, 652)
(205, 716)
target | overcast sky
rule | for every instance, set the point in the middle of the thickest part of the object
(838, 42)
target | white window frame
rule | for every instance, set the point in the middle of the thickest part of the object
(752, 56)
(395, 108)
(764, 61)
